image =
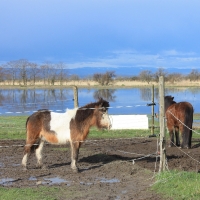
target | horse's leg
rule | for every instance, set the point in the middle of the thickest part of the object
(177, 136)
(27, 151)
(74, 155)
(171, 135)
(188, 132)
(184, 136)
(38, 154)
(187, 137)
(31, 140)
(190, 139)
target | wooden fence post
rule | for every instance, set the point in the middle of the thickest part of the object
(152, 111)
(75, 96)
(162, 125)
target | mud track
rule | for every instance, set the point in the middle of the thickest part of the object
(107, 170)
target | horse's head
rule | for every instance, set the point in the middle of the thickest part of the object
(103, 119)
(169, 100)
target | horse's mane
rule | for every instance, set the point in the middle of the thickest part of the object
(87, 110)
(170, 98)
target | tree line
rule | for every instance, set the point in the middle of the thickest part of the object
(22, 72)
(148, 76)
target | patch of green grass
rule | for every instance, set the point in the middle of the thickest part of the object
(44, 193)
(98, 134)
(178, 185)
(12, 127)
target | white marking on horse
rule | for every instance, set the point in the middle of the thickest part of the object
(60, 124)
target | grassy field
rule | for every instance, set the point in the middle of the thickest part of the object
(13, 127)
(178, 185)
(175, 184)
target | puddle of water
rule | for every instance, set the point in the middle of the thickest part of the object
(6, 181)
(1, 164)
(15, 165)
(83, 183)
(50, 181)
(55, 180)
(32, 178)
(104, 180)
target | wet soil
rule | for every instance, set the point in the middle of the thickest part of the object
(109, 169)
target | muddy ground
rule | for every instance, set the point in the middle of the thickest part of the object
(107, 170)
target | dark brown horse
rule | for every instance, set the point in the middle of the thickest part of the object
(59, 128)
(179, 121)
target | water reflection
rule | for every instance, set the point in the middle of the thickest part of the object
(122, 101)
(108, 94)
(33, 99)
(146, 94)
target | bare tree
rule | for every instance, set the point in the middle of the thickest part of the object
(146, 75)
(34, 72)
(44, 72)
(48, 73)
(61, 72)
(194, 75)
(2, 74)
(52, 75)
(104, 79)
(74, 77)
(174, 77)
(23, 66)
(160, 72)
(12, 70)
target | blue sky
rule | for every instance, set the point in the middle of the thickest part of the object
(102, 33)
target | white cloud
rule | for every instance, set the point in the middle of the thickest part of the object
(166, 59)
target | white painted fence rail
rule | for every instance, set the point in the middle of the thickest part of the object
(129, 121)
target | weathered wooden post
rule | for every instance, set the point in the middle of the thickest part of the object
(152, 111)
(75, 96)
(162, 125)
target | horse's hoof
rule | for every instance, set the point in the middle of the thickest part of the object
(75, 170)
(41, 167)
(44, 167)
(24, 168)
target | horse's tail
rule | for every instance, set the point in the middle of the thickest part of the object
(189, 116)
(187, 128)
(30, 147)
(27, 123)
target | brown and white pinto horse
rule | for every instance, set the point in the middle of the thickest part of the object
(179, 121)
(59, 128)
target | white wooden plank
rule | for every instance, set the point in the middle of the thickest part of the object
(129, 121)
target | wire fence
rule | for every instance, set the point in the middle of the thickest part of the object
(17, 125)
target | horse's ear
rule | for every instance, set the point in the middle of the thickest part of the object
(101, 102)
(100, 99)
(171, 97)
(104, 104)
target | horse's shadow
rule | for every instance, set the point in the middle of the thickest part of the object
(171, 157)
(103, 158)
(196, 146)
(58, 165)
